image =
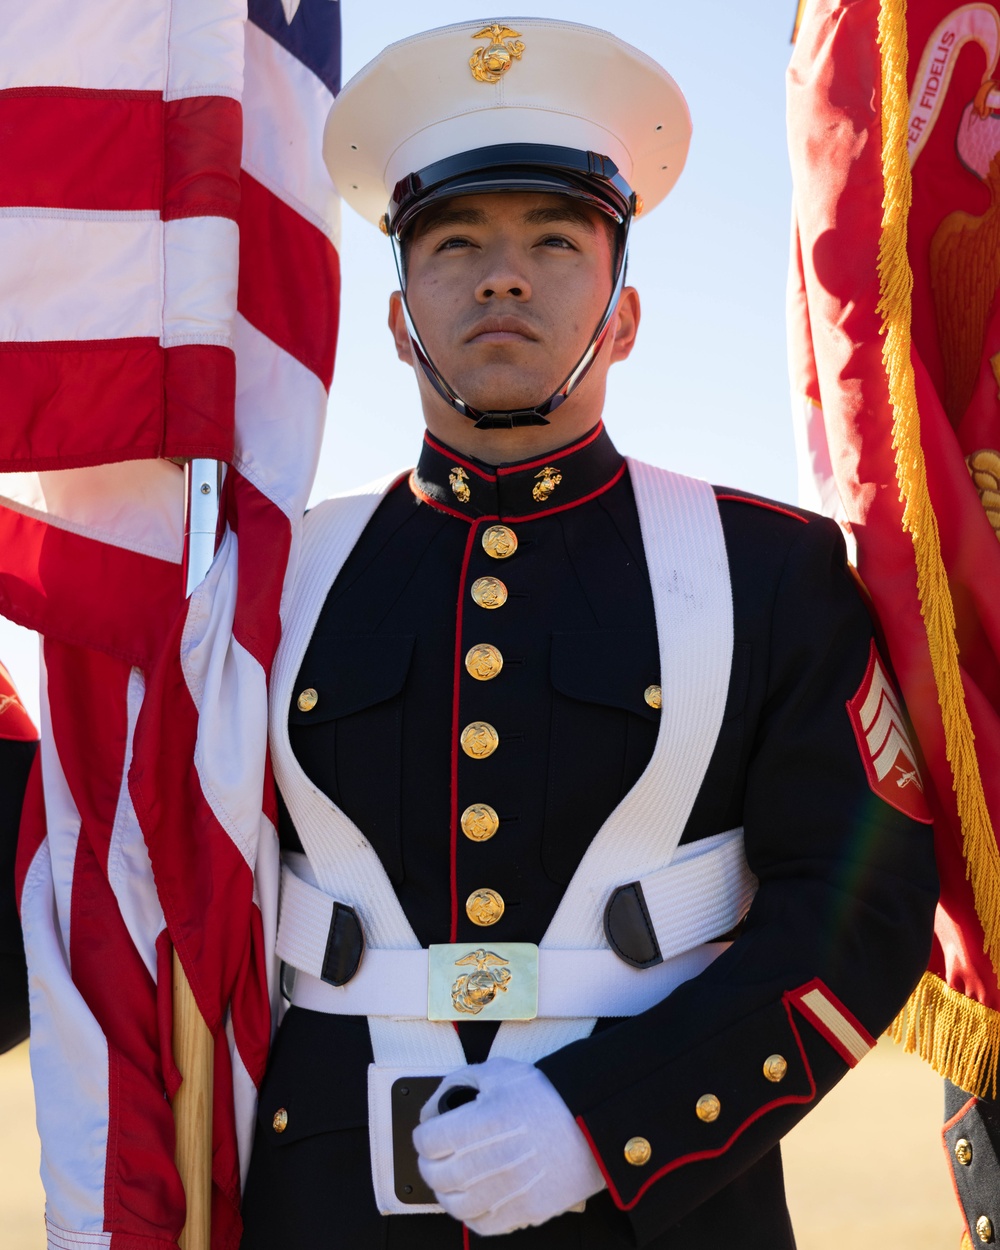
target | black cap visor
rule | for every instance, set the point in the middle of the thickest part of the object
(508, 167)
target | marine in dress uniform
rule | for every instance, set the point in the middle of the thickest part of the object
(478, 696)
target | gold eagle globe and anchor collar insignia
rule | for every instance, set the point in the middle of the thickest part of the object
(496, 984)
(548, 480)
(489, 64)
(459, 482)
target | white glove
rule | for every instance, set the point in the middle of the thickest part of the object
(513, 1157)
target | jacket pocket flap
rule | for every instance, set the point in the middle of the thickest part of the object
(613, 667)
(351, 674)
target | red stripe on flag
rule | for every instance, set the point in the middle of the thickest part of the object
(116, 601)
(265, 537)
(289, 279)
(120, 151)
(202, 145)
(66, 148)
(141, 401)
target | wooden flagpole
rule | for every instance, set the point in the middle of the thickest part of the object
(193, 1044)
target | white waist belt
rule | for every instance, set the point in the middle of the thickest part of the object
(701, 894)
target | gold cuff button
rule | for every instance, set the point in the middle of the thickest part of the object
(479, 822)
(984, 1228)
(483, 661)
(479, 740)
(307, 700)
(280, 1121)
(708, 1108)
(499, 542)
(775, 1068)
(963, 1152)
(654, 697)
(484, 907)
(638, 1152)
(489, 592)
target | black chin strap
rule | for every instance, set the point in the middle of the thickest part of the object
(506, 419)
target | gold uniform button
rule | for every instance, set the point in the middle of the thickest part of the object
(280, 1121)
(479, 822)
(638, 1152)
(499, 542)
(483, 661)
(489, 592)
(654, 697)
(984, 1228)
(479, 740)
(963, 1151)
(775, 1068)
(708, 1108)
(484, 907)
(307, 700)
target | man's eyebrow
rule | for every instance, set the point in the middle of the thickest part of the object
(434, 219)
(553, 213)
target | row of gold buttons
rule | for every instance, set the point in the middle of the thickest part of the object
(708, 1108)
(479, 739)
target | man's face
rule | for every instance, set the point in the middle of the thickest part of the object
(506, 290)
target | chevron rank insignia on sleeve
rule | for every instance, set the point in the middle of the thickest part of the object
(884, 742)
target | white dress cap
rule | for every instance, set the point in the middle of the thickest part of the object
(518, 80)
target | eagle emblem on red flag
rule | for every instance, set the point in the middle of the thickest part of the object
(883, 736)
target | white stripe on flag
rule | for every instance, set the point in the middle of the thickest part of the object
(206, 42)
(72, 279)
(200, 265)
(137, 505)
(280, 406)
(103, 47)
(284, 113)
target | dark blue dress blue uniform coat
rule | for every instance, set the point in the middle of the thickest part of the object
(847, 883)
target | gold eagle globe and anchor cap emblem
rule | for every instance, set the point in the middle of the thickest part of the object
(477, 989)
(489, 64)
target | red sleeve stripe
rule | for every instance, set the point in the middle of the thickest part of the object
(828, 1015)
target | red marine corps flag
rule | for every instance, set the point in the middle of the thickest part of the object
(168, 291)
(894, 131)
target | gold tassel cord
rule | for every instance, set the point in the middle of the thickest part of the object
(957, 1036)
(896, 286)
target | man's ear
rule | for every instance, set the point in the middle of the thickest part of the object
(398, 330)
(626, 325)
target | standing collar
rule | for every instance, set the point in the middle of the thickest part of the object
(562, 479)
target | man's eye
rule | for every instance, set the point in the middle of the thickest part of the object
(452, 244)
(557, 240)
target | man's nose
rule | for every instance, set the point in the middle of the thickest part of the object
(503, 278)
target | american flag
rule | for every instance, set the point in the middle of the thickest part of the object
(168, 289)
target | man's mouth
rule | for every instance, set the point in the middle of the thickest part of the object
(501, 330)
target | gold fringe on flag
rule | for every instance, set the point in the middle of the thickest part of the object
(982, 859)
(957, 1036)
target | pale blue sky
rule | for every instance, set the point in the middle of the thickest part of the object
(706, 390)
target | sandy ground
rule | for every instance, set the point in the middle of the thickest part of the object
(865, 1170)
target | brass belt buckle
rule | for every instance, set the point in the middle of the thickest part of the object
(466, 982)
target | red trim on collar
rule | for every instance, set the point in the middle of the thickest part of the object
(506, 469)
(443, 507)
(564, 507)
(451, 455)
